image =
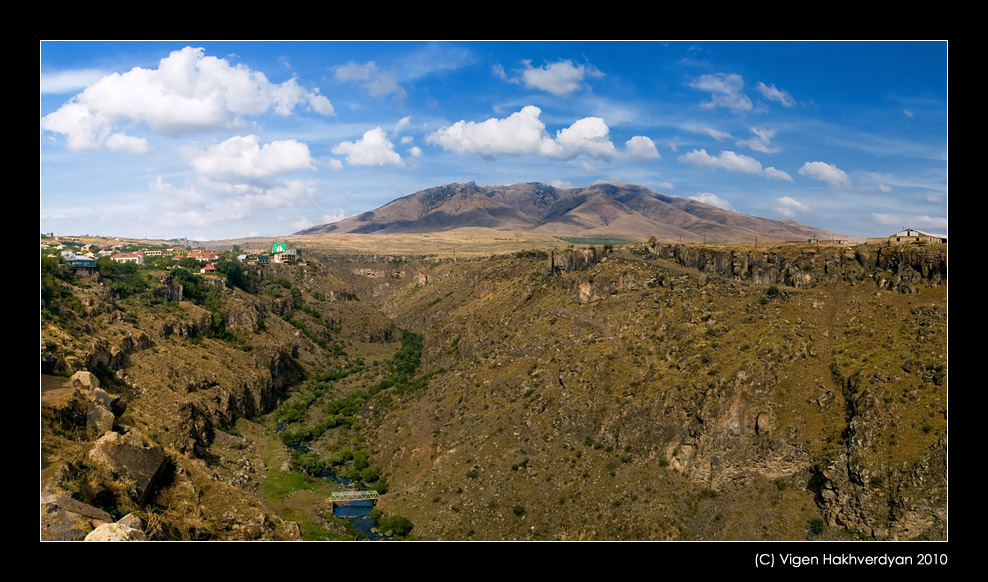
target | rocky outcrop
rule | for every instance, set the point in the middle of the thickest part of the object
(67, 519)
(893, 268)
(126, 458)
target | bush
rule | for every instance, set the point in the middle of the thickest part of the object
(519, 510)
(817, 525)
(772, 291)
(401, 526)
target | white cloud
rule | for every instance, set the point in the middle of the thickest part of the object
(69, 81)
(907, 113)
(641, 148)
(885, 189)
(733, 162)
(243, 160)
(713, 200)
(913, 221)
(335, 164)
(188, 92)
(761, 141)
(773, 94)
(377, 82)
(588, 167)
(301, 223)
(716, 134)
(589, 136)
(933, 198)
(789, 206)
(373, 149)
(415, 152)
(126, 144)
(560, 78)
(402, 124)
(665, 186)
(725, 91)
(825, 172)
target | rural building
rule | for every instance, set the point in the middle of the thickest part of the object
(910, 236)
(204, 256)
(286, 256)
(136, 257)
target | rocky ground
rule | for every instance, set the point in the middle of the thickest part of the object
(648, 392)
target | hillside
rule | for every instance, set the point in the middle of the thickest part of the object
(664, 392)
(602, 210)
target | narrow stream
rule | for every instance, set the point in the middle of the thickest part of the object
(356, 512)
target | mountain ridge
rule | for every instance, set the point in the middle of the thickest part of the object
(604, 209)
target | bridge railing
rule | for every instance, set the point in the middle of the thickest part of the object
(353, 495)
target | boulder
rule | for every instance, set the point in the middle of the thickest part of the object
(99, 418)
(115, 532)
(84, 380)
(126, 457)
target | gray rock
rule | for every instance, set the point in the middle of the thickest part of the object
(100, 418)
(132, 520)
(128, 458)
(85, 380)
(115, 532)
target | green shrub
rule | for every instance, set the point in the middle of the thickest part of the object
(817, 525)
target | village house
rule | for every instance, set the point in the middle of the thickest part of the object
(204, 256)
(135, 257)
(286, 256)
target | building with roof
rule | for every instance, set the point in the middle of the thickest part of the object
(908, 236)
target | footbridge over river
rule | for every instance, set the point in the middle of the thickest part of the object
(342, 497)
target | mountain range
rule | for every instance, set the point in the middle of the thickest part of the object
(606, 210)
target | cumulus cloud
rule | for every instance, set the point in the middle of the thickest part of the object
(825, 172)
(725, 91)
(188, 92)
(641, 148)
(523, 133)
(761, 142)
(69, 81)
(589, 136)
(415, 152)
(373, 149)
(713, 200)
(243, 160)
(376, 81)
(560, 78)
(126, 144)
(665, 186)
(773, 94)
(789, 207)
(733, 162)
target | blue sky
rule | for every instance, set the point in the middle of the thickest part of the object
(213, 140)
